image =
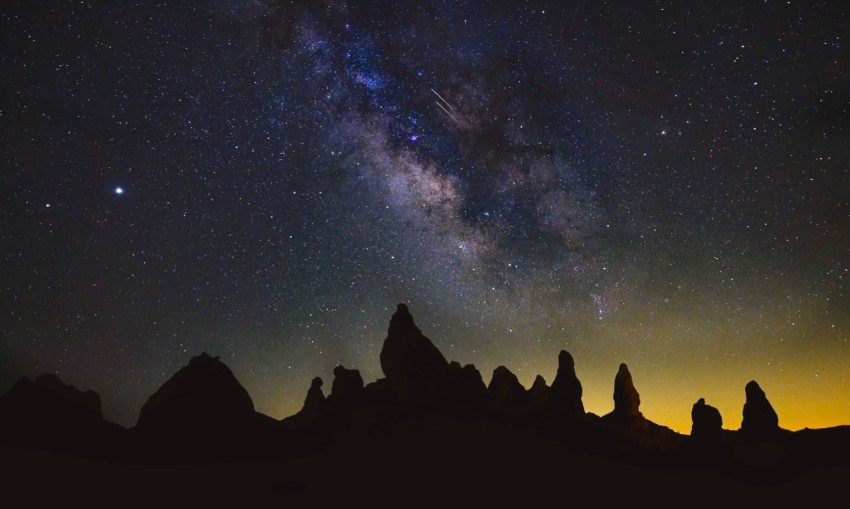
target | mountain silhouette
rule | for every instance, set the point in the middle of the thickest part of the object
(426, 415)
(202, 411)
(45, 413)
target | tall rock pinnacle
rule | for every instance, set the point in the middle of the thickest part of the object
(626, 397)
(565, 393)
(407, 355)
(314, 403)
(759, 416)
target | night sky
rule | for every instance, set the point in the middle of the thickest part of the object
(665, 184)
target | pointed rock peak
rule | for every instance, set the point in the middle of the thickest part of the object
(759, 415)
(539, 384)
(505, 389)
(566, 362)
(753, 390)
(205, 393)
(566, 369)
(402, 321)
(317, 383)
(502, 376)
(407, 354)
(626, 397)
(565, 393)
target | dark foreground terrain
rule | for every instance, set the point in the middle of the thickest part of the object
(409, 469)
(429, 433)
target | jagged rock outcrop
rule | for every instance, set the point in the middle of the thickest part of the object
(626, 397)
(538, 394)
(47, 413)
(505, 392)
(418, 374)
(707, 424)
(347, 386)
(565, 394)
(47, 398)
(202, 396)
(407, 356)
(464, 390)
(760, 418)
(314, 403)
(629, 431)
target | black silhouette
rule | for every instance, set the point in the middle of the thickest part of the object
(565, 393)
(429, 422)
(707, 424)
(760, 419)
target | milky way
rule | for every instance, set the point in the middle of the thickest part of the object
(661, 184)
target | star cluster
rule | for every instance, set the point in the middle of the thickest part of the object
(659, 183)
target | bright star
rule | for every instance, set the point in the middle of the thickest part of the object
(119, 190)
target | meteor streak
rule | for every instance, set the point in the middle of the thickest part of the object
(441, 98)
(447, 111)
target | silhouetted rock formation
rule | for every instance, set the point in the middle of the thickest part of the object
(565, 393)
(408, 357)
(46, 413)
(629, 431)
(417, 374)
(626, 397)
(347, 386)
(465, 391)
(314, 403)
(203, 414)
(506, 394)
(759, 417)
(202, 396)
(538, 394)
(707, 424)
(48, 397)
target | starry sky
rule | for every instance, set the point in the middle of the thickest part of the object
(665, 184)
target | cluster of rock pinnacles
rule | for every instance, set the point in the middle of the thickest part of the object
(416, 369)
(205, 393)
